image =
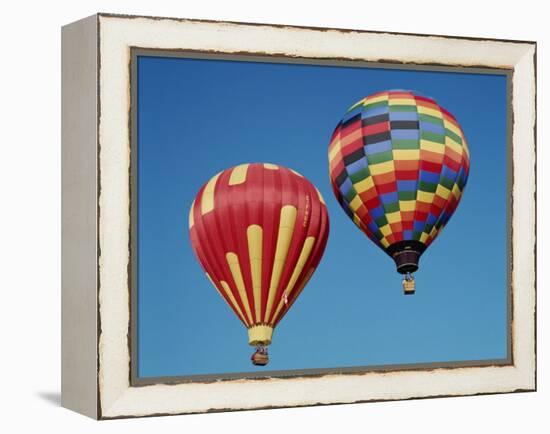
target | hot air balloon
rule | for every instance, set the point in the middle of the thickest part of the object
(399, 163)
(259, 231)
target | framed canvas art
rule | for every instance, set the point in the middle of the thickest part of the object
(261, 216)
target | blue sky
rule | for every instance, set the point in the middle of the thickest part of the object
(198, 117)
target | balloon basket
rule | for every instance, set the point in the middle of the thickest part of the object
(260, 356)
(409, 287)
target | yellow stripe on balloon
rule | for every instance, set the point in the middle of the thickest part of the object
(429, 111)
(357, 104)
(229, 294)
(455, 146)
(402, 101)
(373, 99)
(191, 215)
(364, 185)
(407, 205)
(254, 235)
(304, 256)
(424, 196)
(333, 151)
(442, 191)
(207, 199)
(302, 259)
(406, 154)
(238, 174)
(451, 127)
(233, 300)
(456, 191)
(428, 145)
(393, 217)
(381, 168)
(386, 230)
(286, 229)
(356, 203)
(234, 266)
(271, 166)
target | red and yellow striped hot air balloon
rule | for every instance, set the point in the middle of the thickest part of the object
(259, 231)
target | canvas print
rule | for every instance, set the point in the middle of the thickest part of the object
(296, 218)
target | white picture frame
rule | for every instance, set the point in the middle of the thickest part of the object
(96, 213)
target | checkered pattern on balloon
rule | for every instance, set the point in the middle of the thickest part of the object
(399, 163)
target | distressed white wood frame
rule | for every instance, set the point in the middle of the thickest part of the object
(113, 396)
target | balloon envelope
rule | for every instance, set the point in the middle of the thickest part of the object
(399, 163)
(259, 231)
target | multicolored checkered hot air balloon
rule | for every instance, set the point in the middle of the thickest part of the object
(259, 231)
(399, 163)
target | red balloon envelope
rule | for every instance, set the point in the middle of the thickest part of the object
(259, 231)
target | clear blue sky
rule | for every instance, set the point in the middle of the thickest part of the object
(197, 117)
